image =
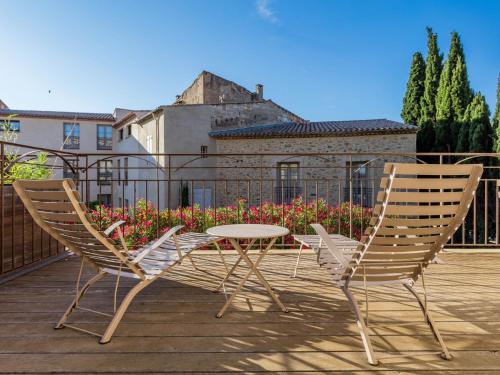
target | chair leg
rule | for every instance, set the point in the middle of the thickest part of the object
(445, 353)
(190, 257)
(298, 260)
(122, 309)
(365, 337)
(77, 299)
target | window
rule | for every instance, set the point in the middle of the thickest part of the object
(129, 130)
(361, 188)
(104, 172)
(202, 197)
(120, 134)
(71, 135)
(104, 199)
(204, 151)
(125, 170)
(288, 186)
(149, 144)
(104, 137)
(12, 125)
(119, 167)
(68, 173)
(120, 203)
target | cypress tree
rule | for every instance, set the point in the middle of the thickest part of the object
(414, 91)
(452, 97)
(480, 131)
(433, 68)
(463, 135)
(434, 64)
(460, 98)
(496, 120)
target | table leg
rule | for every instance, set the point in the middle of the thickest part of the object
(233, 268)
(253, 269)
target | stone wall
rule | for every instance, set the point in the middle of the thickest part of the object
(327, 176)
(209, 88)
(230, 116)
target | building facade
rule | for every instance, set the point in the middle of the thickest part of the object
(71, 133)
(209, 148)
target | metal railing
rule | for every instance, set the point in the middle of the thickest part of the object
(173, 183)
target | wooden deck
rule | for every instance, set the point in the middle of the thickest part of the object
(171, 327)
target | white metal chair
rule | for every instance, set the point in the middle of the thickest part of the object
(55, 206)
(418, 210)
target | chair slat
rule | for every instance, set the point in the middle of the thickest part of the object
(54, 206)
(421, 231)
(418, 197)
(429, 169)
(48, 195)
(426, 183)
(404, 240)
(414, 223)
(400, 210)
(61, 217)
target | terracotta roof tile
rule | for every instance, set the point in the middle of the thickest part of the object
(317, 129)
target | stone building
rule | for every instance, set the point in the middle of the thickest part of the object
(211, 147)
(217, 116)
(347, 163)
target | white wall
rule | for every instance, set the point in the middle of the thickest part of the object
(48, 133)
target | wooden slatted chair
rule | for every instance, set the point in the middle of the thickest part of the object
(55, 206)
(419, 208)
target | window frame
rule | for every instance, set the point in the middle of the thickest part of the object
(108, 175)
(204, 151)
(73, 126)
(125, 171)
(106, 139)
(67, 172)
(4, 122)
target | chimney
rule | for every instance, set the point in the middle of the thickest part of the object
(259, 91)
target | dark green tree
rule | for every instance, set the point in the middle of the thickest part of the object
(434, 64)
(496, 120)
(452, 97)
(461, 96)
(414, 91)
(480, 130)
(433, 68)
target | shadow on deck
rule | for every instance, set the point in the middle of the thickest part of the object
(171, 326)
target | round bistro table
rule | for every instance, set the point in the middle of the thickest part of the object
(253, 232)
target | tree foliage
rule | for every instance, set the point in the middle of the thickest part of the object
(453, 96)
(14, 169)
(496, 120)
(477, 122)
(414, 91)
(433, 68)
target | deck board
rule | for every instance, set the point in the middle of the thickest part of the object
(171, 326)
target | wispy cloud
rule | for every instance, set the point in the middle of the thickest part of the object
(264, 10)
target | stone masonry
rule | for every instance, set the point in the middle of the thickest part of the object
(324, 176)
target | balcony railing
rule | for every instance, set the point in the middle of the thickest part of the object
(187, 185)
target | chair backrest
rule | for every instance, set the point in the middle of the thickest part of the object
(419, 208)
(55, 206)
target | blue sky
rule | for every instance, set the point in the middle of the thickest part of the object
(324, 60)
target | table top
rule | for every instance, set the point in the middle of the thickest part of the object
(241, 231)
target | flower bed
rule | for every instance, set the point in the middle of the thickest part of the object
(145, 222)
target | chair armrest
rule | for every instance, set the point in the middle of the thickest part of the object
(330, 244)
(157, 243)
(112, 227)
